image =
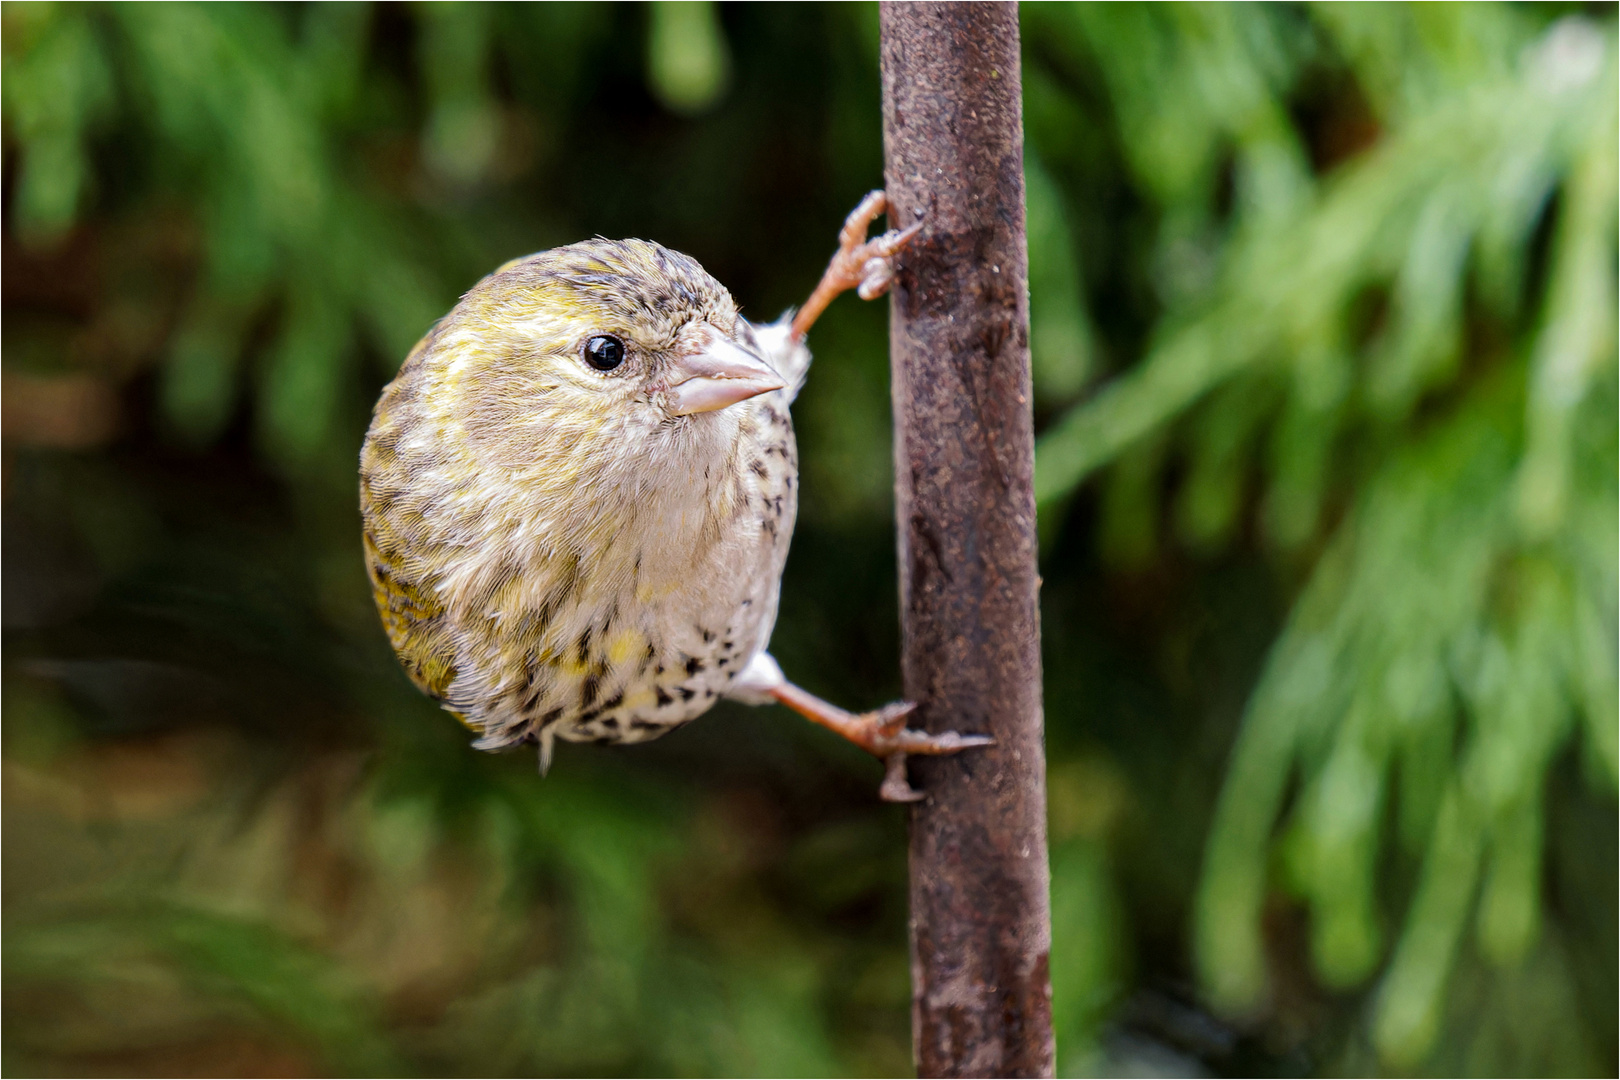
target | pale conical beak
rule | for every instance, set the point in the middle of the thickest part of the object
(719, 373)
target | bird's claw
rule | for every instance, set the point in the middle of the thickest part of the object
(876, 277)
(888, 737)
(881, 732)
(895, 786)
(867, 266)
(891, 719)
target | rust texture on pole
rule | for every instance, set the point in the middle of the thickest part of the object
(964, 465)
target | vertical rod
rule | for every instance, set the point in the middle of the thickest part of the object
(964, 467)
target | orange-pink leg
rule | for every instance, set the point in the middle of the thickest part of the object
(867, 266)
(882, 733)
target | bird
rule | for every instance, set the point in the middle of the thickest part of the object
(578, 493)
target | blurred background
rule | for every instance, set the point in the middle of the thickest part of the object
(1324, 343)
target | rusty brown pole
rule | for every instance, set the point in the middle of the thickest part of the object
(964, 467)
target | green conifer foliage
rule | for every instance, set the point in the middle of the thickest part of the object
(1419, 396)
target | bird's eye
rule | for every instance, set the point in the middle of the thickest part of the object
(604, 352)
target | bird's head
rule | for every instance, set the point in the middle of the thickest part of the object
(596, 343)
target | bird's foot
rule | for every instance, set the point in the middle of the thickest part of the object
(895, 786)
(867, 266)
(882, 733)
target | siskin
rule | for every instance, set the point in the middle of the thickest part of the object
(578, 496)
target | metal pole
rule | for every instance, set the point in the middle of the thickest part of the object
(964, 465)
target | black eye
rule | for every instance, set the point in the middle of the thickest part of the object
(604, 353)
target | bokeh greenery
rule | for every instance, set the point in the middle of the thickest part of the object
(1323, 306)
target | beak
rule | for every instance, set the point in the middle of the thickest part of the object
(719, 373)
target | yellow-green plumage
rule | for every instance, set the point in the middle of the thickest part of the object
(558, 551)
